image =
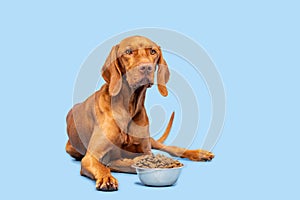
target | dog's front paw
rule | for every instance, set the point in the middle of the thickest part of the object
(200, 155)
(107, 183)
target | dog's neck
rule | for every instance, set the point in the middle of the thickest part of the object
(132, 100)
(137, 100)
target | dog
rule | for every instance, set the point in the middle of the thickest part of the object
(109, 131)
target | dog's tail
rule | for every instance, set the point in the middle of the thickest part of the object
(168, 129)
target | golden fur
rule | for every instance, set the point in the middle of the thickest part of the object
(110, 129)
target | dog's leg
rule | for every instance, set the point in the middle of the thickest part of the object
(73, 152)
(97, 156)
(95, 170)
(195, 155)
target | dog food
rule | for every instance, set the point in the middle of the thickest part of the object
(158, 161)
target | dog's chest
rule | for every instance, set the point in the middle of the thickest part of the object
(129, 140)
(133, 144)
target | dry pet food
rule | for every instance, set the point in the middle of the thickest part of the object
(158, 161)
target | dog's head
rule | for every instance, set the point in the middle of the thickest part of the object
(135, 59)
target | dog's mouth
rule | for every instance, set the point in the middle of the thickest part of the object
(143, 82)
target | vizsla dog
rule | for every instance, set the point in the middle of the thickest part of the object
(109, 131)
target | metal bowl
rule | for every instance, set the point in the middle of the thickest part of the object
(158, 176)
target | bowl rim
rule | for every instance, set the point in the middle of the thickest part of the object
(154, 169)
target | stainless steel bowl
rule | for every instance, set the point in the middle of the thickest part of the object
(158, 176)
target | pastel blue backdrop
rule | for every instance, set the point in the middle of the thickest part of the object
(254, 44)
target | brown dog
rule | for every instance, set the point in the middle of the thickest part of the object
(110, 129)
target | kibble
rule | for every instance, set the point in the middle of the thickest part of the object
(158, 161)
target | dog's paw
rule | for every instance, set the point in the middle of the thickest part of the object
(107, 183)
(201, 155)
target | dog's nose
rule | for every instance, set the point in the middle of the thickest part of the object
(145, 69)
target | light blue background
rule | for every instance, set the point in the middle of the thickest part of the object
(254, 44)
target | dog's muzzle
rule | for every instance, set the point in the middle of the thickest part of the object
(145, 71)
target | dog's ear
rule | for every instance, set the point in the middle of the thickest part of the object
(111, 72)
(163, 75)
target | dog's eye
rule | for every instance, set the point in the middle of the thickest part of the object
(152, 51)
(128, 51)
